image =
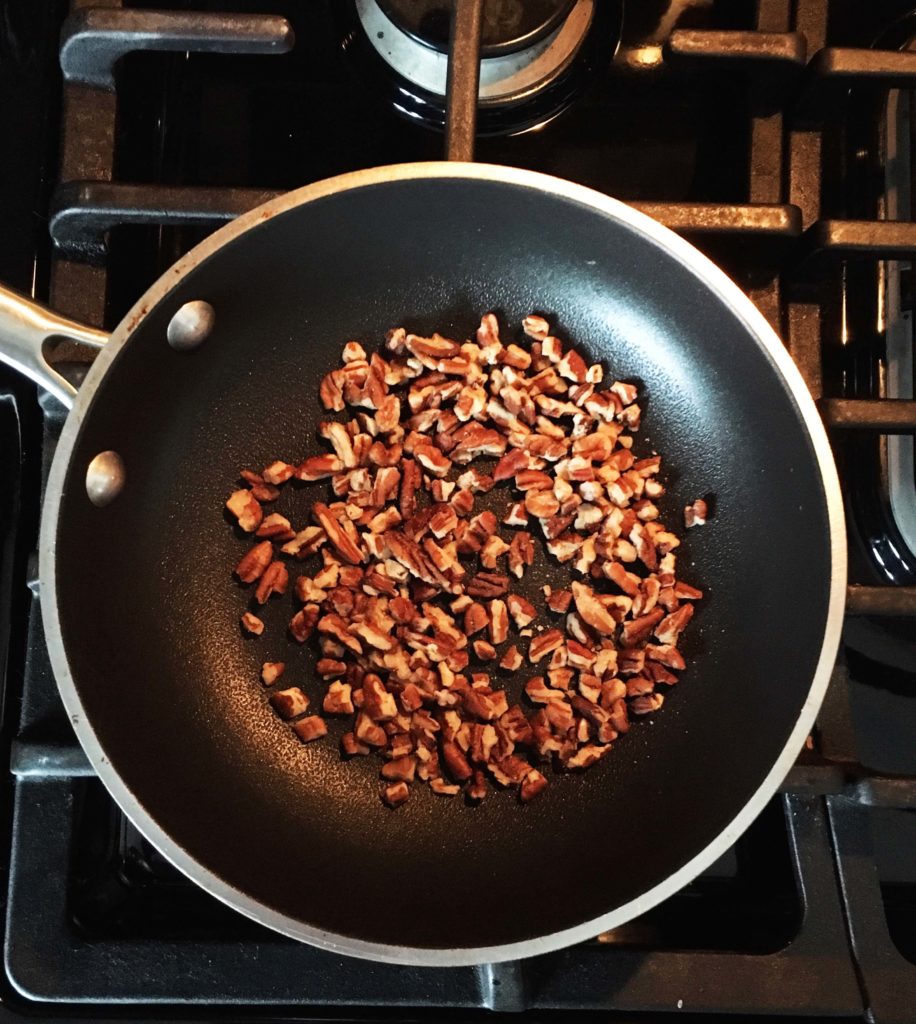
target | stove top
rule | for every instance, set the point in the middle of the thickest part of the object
(774, 135)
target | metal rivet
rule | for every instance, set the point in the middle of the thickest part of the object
(191, 325)
(105, 478)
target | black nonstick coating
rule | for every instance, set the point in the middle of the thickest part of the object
(150, 612)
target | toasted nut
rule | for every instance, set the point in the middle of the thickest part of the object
(521, 553)
(523, 612)
(696, 514)
(559, 600)
(337, 536)
(396, 794)
(499, 622)
(591, 609)
(455, 761)
(488, 584)
(255, 562)
(278, 473)
(411, 478)
(276, 527)
(511, 660)
(541, 504)
(533, 784)
(402, 769)
(544, 644)
(493, 548)
(246, 509)
(274, 580)
(350, 746)
(484, 651)
(303, 622)
(271, 672)
(289, 703)
(252, 624)
(475, 618)
(311, 728)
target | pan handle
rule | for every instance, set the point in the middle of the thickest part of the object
(463, 79)
(25, 327)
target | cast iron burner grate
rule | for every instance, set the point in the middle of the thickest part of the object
(730, 122)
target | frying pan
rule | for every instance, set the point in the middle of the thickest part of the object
(141, 615)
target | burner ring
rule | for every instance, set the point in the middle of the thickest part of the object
(504, 80)
(508, 25)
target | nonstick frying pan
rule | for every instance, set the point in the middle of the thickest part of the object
(142, 617)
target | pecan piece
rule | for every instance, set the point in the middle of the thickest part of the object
(271, 672)
(488, 584)
(532, 784)
(396, 794)
(289, 703)
(303, 622)
(254, 562)
(276, 527)
(411, 478)
(541, 504)
(499, 622)
(696, 514)
(350, 746)
(401, 769)
(592, 610)
(523, 612)
(521, 553)
(246, 509)
(311, 728)
(544, 644)
(252, 624)
(669, 628)
(455, 761)
(511, 660)
(336, 535)
(274, 580)
(475, 618)
(484, 651)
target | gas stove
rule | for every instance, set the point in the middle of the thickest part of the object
(777, 137)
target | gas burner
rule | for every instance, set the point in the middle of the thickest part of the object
(509, 26)
(534, 54)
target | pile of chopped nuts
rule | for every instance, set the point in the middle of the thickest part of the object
(413, 606)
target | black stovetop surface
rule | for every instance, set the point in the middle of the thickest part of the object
(726, 138)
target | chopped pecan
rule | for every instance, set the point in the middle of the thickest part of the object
(669, 628)
(544, 644)
(246, 509)
(488, 584)
(493, 548)
(411, 478)
(255, 562)
(499, 622)
(521, 553)
(592, 610)
(558, 600)
(289, 703)
(271, 672)
(252, 624)
(336, 534)
(484, 651)
(696, 513)
(455, 761)
(276, 527)
(274, 580)
(532, 784)
(511, 660)
(318, 467)
(303, 622)
(311, 728)
(475, 618)
(523, 612)
(396, 794)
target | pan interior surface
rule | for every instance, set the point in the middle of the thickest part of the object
(150, 614)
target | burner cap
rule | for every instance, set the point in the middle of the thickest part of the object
(508, 25)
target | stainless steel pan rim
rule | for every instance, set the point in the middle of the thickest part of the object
(724, 289)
